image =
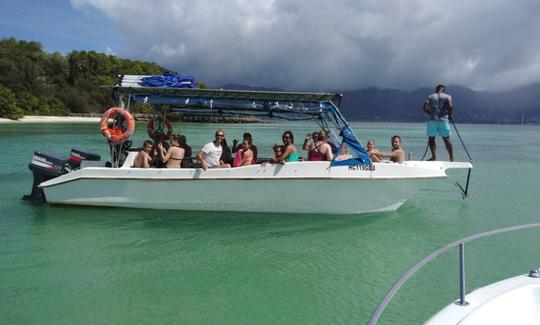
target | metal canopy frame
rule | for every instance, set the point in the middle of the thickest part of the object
(247, 95)
(323, 107)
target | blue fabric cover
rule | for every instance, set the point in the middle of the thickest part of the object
(354, 147)
(169, 80)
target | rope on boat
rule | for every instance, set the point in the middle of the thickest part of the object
(460, 139)
(425, 152)
(464, 191)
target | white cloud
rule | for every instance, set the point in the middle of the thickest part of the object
(340, 44)
(168, 51)
(109, 51)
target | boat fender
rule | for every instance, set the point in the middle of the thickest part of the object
(155, 133)
(122, 126)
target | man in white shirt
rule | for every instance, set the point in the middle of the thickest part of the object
(210, 154)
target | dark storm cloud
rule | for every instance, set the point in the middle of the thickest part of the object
(341, 44)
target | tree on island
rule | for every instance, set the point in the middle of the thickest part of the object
(34, 82)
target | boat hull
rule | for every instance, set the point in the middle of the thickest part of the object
(510, 301)
(291, 188)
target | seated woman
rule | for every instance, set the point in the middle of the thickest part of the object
(322, 150)
(245, 155)
(344, 153)
(372, 151)
(309, 146)
(290, 153)
(187, 162)
(174, 155)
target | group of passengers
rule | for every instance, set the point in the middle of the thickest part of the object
(217, 154)
(177, 154)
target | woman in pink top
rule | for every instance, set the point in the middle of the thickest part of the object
(244, 156)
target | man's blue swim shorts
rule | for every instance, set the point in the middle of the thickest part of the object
(438, 127)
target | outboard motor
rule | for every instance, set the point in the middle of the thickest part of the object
(78, 155)
(45, 165)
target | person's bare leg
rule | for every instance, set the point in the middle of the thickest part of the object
(432, 148)
(449, 148)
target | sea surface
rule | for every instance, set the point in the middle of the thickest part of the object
(69, 265)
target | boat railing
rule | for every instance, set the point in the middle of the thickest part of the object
(461, 244)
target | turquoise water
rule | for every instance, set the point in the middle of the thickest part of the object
(65, 265)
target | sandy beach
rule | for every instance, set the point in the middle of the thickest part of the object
(52, 119)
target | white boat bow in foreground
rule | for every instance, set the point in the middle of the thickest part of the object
(511, 301)
(515, 300)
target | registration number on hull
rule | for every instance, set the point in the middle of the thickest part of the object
(369, 168)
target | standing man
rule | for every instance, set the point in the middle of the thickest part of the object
(439, 108)
(210, 154)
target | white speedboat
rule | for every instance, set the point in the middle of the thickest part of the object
(514, 300)
(270, 188)
(351, 185)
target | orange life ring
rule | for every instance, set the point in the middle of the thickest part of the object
(150, 129)
(120, 130)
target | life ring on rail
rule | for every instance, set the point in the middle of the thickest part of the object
(157, 133)
(122, 126)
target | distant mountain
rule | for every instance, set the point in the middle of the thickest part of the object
(375, 104)
(246, 87)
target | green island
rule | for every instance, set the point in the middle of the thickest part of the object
(35, 82)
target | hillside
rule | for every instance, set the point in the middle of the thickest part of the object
(34, 82)
(374, 104)
(394, 105)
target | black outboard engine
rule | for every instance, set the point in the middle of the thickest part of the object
(78, 155)
(45, 165)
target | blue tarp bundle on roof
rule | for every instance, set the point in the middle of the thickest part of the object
(169, 80)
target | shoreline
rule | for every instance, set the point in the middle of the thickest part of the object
(36, 119)
(51, 119)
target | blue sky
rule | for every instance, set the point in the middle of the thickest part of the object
(57, 25)
(299, 44)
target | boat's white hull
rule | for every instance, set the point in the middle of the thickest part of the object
(304, 187)
(512, 301)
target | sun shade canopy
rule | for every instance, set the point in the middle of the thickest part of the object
(322, 107)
